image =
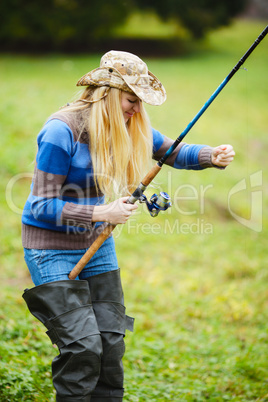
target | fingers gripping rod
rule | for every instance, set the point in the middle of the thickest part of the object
(156, 169)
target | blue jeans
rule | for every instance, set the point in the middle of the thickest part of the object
(55, 265)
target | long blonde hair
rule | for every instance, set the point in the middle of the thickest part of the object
(121, 153)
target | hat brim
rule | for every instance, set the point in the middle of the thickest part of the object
(147, 87)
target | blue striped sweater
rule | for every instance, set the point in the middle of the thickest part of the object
(58, 211)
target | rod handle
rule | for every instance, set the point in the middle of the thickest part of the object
(91, 251)
(151, 175)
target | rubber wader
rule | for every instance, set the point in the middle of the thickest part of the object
(88, 330)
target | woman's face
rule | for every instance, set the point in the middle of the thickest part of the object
(130, 105)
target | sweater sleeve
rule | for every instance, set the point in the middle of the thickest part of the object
(185, 156)
(55, 149)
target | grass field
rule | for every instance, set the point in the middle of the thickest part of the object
(195, 277)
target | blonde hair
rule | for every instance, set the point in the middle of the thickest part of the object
(121, 152)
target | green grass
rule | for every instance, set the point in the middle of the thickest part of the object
(195, 278)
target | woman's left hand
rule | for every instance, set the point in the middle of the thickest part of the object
(222, 155)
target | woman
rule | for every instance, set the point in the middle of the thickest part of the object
(99, 146)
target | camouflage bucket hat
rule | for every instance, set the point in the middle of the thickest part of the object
(129, 73)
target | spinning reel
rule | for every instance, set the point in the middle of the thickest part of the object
(157, 203)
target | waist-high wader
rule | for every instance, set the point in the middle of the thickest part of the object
(86, 319)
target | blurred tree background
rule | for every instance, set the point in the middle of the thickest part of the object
(87, 25)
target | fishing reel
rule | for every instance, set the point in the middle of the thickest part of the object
(157, 203)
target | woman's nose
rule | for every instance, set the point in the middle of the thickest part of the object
(137, 106)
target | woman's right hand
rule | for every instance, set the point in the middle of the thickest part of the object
(116, 212)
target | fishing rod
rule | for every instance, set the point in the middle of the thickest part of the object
(161, 202)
